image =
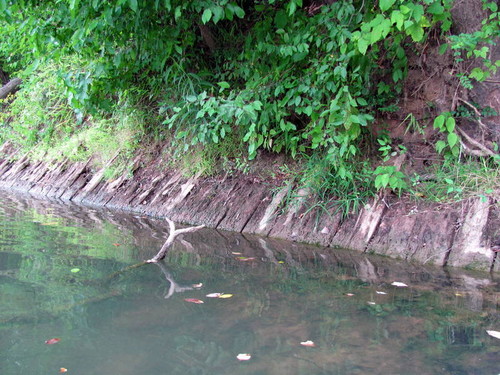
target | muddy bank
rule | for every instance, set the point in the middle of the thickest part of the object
(458, 235)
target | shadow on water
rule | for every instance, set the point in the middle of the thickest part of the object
(65, 273)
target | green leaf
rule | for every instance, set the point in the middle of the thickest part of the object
(177, 13)
(450, 124)
(240, 13)
(478, 74)
(281, 19)
(397, 18)
(382, 180)
(72, 4)
(75, 270)
(3, 5)
(439, 122)
(223, 85)
(452, 139)
(133, 5)
(257, 105)
(218, 12)
(436, 8)
(416, 32)
(440, 146)
(206, 16)
(443, 48)
(363, 45)
(385, 4)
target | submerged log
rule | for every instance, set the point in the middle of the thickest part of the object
(171, 238)
(9, 87)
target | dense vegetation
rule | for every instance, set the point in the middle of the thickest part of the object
(313, 80)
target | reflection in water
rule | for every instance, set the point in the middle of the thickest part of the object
(68, 272)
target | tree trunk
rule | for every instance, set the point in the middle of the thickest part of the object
(10, 87)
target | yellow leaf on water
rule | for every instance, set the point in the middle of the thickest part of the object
(225, 296)
(214, 295)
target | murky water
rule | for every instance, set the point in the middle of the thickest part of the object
(64, 275)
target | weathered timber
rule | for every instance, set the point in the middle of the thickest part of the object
(9, 87)
(172, 235)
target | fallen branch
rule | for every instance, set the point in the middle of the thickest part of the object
(171, 238)
(9, 87)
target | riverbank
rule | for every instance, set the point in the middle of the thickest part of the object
(456, 235)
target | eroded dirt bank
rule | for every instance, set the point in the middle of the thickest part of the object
(458, 236)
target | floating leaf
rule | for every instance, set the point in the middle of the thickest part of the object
(349, 294)
(193, 300)
(371, 303)
(52, 341)
(245, 259)
(308, 343)
(75, 270)
(378, 292)
(235, 253)
(494, 334)
(214, 295)
(62, 369)
(243, 356)
(225, 296)
(399, 284)
(197, 286)
(116, 244)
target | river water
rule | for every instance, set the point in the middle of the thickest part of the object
(70, 302)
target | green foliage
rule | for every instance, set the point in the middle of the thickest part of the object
(39, 112)
(454, 181)
(387, 176)
(445, 123)
(344, 190)
(477, 45)
(295, 82)
(276, 75)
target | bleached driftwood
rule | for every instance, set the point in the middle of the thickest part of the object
(171, 238)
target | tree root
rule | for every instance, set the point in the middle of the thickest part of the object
(483, 150)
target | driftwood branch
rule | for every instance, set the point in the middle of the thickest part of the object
(171, 238)
(9, 87)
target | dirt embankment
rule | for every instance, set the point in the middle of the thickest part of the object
(458, 235)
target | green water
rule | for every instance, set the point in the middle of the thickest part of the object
(111, 319)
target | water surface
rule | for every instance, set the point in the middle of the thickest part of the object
(65, 273)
